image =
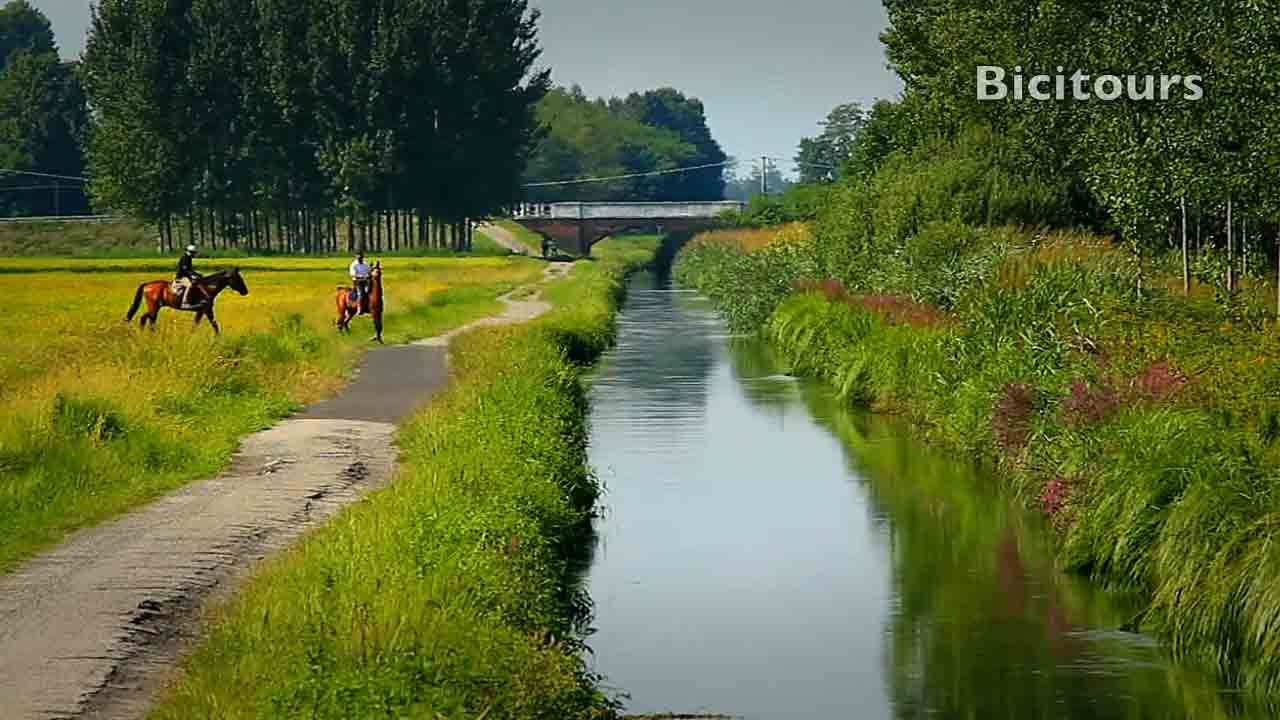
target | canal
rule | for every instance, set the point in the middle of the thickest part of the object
(767, 553)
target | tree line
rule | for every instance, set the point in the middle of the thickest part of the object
(42, 119)
(1158, 174)
(644, 132)
(311, 125)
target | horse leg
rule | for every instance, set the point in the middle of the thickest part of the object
(213, 321)
(377, 326)
(199, 317)
(150, 314)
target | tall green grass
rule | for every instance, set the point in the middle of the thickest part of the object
(1142, 424)
(449, 594)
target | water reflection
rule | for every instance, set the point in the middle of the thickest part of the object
(770, 554)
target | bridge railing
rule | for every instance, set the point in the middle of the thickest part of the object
(627, 211)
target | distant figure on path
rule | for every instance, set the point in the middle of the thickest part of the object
(186, 277)
(360, 273)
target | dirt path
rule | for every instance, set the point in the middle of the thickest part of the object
(94, 627)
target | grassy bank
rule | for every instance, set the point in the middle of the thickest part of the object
(100, 416)
(1144, 425)
(530, 239)
(449, 594)
(78, 238)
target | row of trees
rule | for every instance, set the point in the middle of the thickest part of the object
(644, 132)
(1195, 173)
(1143, 168)
(42, 119)
(306, 125)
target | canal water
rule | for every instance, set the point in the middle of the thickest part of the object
(768, 553)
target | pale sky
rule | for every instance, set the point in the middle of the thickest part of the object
(767, 72)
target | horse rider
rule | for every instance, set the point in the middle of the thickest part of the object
(186, 275)
(360, 280)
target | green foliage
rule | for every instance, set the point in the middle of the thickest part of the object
(800, 203)
(823, 157)
(669, 108)
(746, 285)
(299, 112)
(1129, 163)
(42, 117)
(656, 130)
(24, 29)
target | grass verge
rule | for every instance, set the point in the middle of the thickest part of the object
(449, 594)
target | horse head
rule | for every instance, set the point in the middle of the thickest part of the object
(236, 282)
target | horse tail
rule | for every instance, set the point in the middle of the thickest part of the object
(137, 301)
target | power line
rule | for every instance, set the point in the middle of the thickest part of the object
(629, 176)
(45, 175)
(806, 164)
(817, 165)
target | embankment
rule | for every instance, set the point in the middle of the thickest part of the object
(451, 592)
(1143, 424)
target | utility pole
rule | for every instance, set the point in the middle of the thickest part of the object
(764, 174)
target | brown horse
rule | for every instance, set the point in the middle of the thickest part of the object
(348, 308)
(159, 294)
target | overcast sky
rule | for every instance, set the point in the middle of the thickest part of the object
(767, 70)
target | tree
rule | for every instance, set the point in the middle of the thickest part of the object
(650, 132)
(671, 109)
(42, 118)
(822, 157)
(24, 28)
(281, 117)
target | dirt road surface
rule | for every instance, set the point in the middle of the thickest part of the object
(95, 627)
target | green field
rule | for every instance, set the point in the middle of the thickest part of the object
(100, 415)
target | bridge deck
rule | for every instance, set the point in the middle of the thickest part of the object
(625, 210)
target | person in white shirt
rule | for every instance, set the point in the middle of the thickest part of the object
(360, 274)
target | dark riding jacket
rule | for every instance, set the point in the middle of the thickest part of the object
(186, 268)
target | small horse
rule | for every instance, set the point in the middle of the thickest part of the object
(348, 308)
(159, 294)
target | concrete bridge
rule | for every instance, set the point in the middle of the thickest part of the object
(576, 226)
